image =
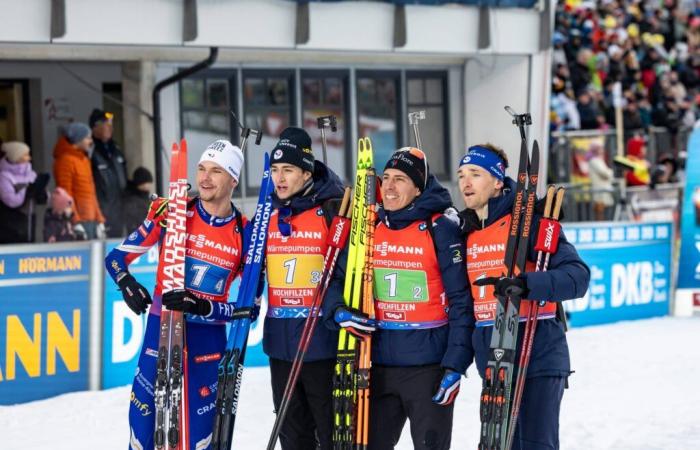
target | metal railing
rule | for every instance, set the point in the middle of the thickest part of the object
(563, 145)
(582, 203)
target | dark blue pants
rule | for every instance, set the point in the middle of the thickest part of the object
(538, 421)
(205, 345)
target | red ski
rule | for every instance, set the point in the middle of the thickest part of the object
(171, 429)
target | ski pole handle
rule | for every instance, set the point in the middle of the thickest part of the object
(323, 122)
(413, 119)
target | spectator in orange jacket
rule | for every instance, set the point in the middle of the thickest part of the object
(73, 173)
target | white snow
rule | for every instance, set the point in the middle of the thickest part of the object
(635, 387)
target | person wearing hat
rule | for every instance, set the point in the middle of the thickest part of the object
(136, 199)
(109, 171)
(16, 175)
(73, 173)
(57, 219)
(213, 258)
(306, 197)
(488, 196)
(423, 316)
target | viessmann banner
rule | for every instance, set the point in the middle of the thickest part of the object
(630, 267)
(44, 294)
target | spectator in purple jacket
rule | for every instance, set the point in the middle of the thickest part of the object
(16, 175)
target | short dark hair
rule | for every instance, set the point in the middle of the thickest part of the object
(498, 151)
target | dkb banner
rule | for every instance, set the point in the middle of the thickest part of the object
(630, 271)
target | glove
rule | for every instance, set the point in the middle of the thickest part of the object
(354, 321)
(449, 388)
(185, 301)
(100, 231)
(135, 295)
(506, 287)
(80, 233)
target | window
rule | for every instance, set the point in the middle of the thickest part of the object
(324, 93)
(377, 113)
(206, 101)
(268, 105)
(426, 92)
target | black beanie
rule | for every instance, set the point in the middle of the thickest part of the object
(142, 175)
(294, 147)
(412, 162)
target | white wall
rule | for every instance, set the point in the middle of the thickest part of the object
(490, 84)
(271, 24)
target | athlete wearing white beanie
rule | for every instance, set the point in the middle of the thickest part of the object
(226, 155)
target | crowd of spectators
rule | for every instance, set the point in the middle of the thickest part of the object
(92, 197)
(651, 47)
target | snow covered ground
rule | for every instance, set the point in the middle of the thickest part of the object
(635, 387)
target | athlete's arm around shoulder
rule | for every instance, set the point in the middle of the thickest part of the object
(450, 249)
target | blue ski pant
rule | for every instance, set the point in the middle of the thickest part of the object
(205, 345)
(538, 420)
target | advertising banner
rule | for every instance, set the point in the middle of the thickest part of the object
(630, 271)
(689, 269)
(44, 316)
(123, 330)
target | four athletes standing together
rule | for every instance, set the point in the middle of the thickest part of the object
(431, 321)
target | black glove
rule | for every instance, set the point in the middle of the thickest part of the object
(185, 301)
(135, 295)
(37, 190)
(506, 287)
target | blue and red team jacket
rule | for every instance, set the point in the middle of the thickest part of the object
(214, 254)
(213, 260)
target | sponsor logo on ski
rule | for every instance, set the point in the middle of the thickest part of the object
(207, 358)
(152, 352)
(498, 353)
(204, 391)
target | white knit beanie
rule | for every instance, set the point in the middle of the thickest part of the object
(15, 150)
(226, 155)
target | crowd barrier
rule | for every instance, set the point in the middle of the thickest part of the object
(65, 328)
